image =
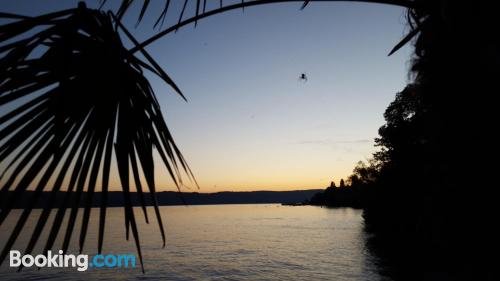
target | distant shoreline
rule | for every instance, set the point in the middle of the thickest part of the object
(172, 198)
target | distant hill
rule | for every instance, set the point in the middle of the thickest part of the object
(167, 198)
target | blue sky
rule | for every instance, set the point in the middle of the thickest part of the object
(250, 124)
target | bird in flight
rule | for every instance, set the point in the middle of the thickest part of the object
(303, 77)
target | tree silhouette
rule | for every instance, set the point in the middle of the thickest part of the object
(438, 129)
(332, 185)
(419, 212)
(342, 183)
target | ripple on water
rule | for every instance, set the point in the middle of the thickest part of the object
(228, 242)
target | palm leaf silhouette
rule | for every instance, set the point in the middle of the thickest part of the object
(126, 5)
(78, 96)
(196, 15)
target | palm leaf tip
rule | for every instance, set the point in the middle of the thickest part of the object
(70, 108)
(405, 40)
(304, 5)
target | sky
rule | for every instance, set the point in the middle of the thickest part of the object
(250, 123)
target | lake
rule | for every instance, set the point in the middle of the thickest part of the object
(224, 242)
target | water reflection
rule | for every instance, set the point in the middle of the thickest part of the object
(232, 242)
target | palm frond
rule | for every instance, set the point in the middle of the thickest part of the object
(126, 4)
(198, 3)
(163, 14)
(74, 96)
(196, 16)
(182, 13)
(306, 2)
(405, 40)
(143, 10)
(204, 6)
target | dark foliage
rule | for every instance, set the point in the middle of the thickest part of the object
(74, 97)
(196, 15)
(200, 8)
(422, 217)
(355, 193)
(430, 222)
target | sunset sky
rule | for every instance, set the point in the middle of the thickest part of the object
(249, 123)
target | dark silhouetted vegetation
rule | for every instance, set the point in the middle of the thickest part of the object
(422, 216)
(439, 130)
(353, 194)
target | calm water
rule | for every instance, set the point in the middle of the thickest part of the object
(228, 242)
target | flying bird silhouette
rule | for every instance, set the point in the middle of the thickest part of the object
(303, 77)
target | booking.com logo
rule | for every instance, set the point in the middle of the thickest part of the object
(81, 261)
